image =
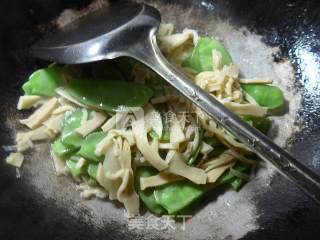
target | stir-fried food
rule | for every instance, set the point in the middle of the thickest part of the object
(121, 131)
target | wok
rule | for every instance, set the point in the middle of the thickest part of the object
(265, 38)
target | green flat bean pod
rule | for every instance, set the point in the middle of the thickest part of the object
(176, 196)
(89, 144)
(44, 82)
(265, 95)
(108, 95)
(201, 57)
(146, 195)
(62, 150)
(70, 122)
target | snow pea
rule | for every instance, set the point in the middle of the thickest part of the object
(265, 95)
(165, 135)
(70, 122)
(201, 57)
(163, 109)
(44, 81)
(89, 144)
(92, 170)
(76, 172)
(262, 124)
(147, 195)
(60, 149)
(218, 147)
(108, 95)
(196, 150)
(176, 196)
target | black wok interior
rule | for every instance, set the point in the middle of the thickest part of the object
(292, 25)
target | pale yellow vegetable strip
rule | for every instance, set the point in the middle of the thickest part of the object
(241, 157)
(229, 85)
(178, 166)
(23, 142)
(127, 194)
(205, 148)
(81, 162)
(92, 124)
(153, 120)
(149, 151)
(41, 133)
(171, 42)
(93, 192)
(214, 174)
(165, 29)
(27, 101)
(63, 109)
(112, 122)
(193, 34)
(224, 138)
(255, 80)
(158, 180)
(59, 165)
(176, 131)
(15, 159)
(223, 159)
(246, 109)
(212, 87)
(41, 114)
(63, 93)
(216, 59)
(106, 143)
(170, 146)
(54, 123)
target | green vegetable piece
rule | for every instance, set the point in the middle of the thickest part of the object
(265, 95)
(89, 145)
(92, 170)
(176, 196)
(60, 149)
(154, 135)
(163, 109)
(71, 164)
(201, 56)
(218, 147)
(43, 82)
(195, 152)
(108, 95)
(262, 124)
(70, 122)
(146, 195)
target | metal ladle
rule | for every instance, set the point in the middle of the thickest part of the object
(129, 29)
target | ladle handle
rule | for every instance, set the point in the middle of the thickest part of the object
(148, 53)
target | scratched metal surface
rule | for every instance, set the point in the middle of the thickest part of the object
(281, 211)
